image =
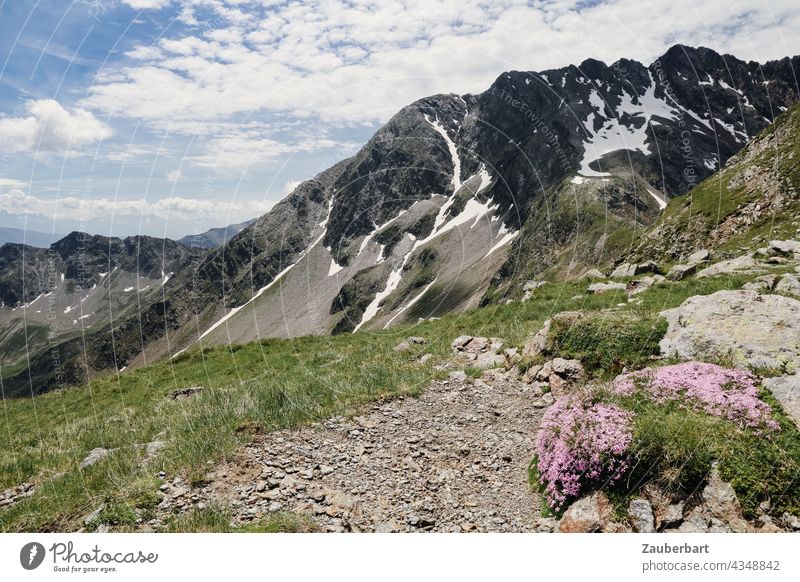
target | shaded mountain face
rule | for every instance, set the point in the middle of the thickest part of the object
(56, 300)
(459, 199)
(215, 237)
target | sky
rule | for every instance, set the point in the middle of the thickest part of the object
(169, 117)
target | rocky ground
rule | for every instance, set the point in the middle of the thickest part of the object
(455, 459)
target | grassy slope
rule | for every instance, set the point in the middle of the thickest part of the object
(702, 218)
(256, 387)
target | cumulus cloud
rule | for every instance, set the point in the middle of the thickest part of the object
(353, 63)
(49, 127)
(17, 202)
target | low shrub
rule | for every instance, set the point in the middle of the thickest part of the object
(669, 425)
(581, 441)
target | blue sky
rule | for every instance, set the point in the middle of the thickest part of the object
(167, 117)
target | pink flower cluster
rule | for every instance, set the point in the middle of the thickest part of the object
(580, 441)
(730, 394)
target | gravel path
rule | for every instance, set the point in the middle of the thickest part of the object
(454, 459)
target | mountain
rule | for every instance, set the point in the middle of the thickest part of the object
(55, 300)
(458, 200)
(29, 237)
(215, 237)
(755, 197)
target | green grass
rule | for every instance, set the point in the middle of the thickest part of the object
(675, 447)
(218, 519)
(607, 343)
(258, 387)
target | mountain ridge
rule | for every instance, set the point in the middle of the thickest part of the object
(457, 200)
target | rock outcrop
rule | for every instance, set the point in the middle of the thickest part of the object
(737, 324)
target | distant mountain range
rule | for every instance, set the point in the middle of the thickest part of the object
(28, 237)
(455, 202)
(215, 237)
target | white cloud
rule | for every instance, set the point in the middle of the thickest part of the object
(50, 128)
(17, 202)
(146, 4)
(347, 62)
(174, 176)
(12, 183)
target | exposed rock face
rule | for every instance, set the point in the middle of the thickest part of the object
(636, 286)
(786, 390)
(741, 324)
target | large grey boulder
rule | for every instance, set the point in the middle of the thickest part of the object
(597, 288)
(701, 256)
(786, 390)
(741, 324)
(680, 272)
(784, 247)
(789, 285)
(595, 274)
(743, 264)
(631, 269)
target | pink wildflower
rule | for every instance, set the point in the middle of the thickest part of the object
(729, 394)
(578, 441)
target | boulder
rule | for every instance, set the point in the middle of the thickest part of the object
(763, 283)
(586, 515)
(596, 288)
(403, 346)
(786, 390)
(701, 256)
(489, 360)
(595, 274)
(636, 286)
(740, 324)
(647, 267)
(680, 272)
(640, 513)
(784, 247)
(532, 285)
(624, 270)
(414, 339)
(743, 264)
(789, 285)
(467, 344)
